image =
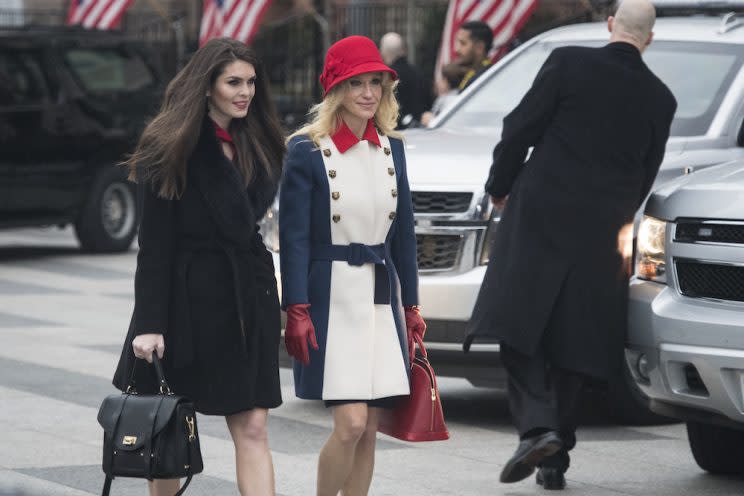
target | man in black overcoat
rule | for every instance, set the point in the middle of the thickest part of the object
(554, 290)
(413, 93)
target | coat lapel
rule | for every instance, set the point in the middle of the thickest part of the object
(221, 186)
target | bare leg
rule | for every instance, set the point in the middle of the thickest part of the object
(364, 459)
(253, 462)
(164, 487)
(336, 459)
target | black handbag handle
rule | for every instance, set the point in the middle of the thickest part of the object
(162, 382)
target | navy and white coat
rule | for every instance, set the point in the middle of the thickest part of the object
(358, 197)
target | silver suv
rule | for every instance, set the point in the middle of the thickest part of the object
(699, 58)
(685, 345)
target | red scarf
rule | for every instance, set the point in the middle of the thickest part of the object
(225, 137)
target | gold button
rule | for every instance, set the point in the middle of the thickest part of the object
(394, 193)
(331, 173)
(336, 217)
(387, 151)
(335, 195)
(391, 171)
(392, 215)
(327, 152)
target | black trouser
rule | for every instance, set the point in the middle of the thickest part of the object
(543, 397)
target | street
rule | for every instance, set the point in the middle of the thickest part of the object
(64, 315)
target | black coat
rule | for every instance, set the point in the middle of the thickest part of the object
(413, 96)
(205, 279)
(599, 120)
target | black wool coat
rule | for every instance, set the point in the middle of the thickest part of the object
(598, 120)
(206, 281)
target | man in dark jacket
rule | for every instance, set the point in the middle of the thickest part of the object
(553, 293)
(473, 42)
(413, 94)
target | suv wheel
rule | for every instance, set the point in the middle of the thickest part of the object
(627, 404)
(718, 450)
(108, 222)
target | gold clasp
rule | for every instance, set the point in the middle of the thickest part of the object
(433, 394)
(192, 428)
(129, 440)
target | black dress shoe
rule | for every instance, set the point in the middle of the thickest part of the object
(551, 478)
(529, 453)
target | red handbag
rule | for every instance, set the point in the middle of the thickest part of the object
(418, 417)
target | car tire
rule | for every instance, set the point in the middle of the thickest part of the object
(109, 219)
(718, 450)
(627, 404)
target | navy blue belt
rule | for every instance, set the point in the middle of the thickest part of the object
(358, 254)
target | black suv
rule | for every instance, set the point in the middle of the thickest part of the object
(72, 103)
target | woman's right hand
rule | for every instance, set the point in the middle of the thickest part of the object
(144, 344)
(298, 331)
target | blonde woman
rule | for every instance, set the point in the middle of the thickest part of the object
(348, 259)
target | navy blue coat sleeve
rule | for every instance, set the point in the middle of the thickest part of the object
(295, 196)
(524, 126)
(152, 281)
(403, 243)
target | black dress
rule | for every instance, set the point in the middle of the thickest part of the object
(206, 281)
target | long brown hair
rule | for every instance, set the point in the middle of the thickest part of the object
(170, 138)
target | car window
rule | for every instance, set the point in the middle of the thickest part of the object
(714, 65)
(18, 85)
(109, 70)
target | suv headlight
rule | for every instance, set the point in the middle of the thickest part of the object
(651, 249)
(270, 227)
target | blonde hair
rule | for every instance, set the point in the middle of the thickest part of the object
(325, 119)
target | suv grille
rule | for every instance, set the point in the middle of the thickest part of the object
(437, 251)
(432, 202)
(706, 280)
(690, 232)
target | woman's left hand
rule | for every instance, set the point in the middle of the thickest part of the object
(415, 327)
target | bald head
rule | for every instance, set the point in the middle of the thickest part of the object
(633, 23)
(392, 47)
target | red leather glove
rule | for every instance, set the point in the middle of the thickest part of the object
(415, 326)
(298, 332)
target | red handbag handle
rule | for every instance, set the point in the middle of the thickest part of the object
(420, 342)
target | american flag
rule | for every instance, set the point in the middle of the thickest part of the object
(505, 17)
(237, 19)
(98, 14)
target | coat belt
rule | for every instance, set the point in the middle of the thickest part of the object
(243, 274)
(358, 254)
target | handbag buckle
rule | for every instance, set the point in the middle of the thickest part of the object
(129, 440)
(192, 428)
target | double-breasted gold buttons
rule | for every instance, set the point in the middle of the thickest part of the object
(336, 217)
(331, 173)
(392, 215)
(327, 152)
(387, 151)
(391, 171)
(335, 195)
(394, 192)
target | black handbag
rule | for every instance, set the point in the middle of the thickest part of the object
(149, 436)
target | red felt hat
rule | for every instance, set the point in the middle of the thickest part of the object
(350, 57)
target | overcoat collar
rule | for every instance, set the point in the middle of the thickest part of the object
(233, 209)
(344, 138)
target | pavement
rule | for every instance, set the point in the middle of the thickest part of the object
(64, 315)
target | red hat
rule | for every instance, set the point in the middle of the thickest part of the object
(350, 57)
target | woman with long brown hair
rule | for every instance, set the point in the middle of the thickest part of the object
(207, 168)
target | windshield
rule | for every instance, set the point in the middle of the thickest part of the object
(714, 66)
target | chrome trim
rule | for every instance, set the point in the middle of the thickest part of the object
(698, 350)
(709, 243)
(708, 262)
(474, 348)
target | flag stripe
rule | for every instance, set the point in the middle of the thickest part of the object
(97, 14)
(238, 19)
(505, 18)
